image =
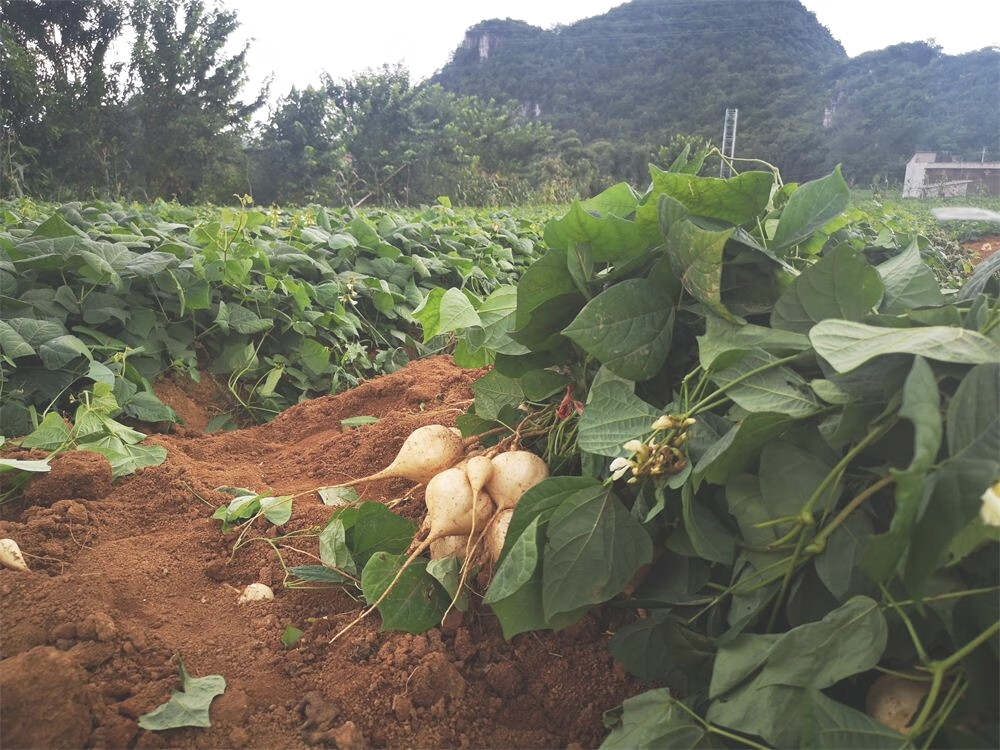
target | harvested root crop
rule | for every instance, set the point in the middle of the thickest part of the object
(10, 555)
(425, 452)
(894, 701)
(256, 592)
(496, 534)
(514, 473)
(450, 512)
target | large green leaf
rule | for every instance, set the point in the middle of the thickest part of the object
(12, 344)
(628, 328)
(653, 720)
(613, 416)
(759, 385)
(908, 282)
(663, 647)
(547, 300)
(494, 392)
(974, 414)
(417, 601)
(809, 208)
(610, 238)
(839, 285)
(725, 342)
(846, 344)
(594, 548)
(696, 257)
(738, 448)
(187, 707)
(831, 725)
(737, 200)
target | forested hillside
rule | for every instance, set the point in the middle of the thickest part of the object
(517, 114)
(650, 69)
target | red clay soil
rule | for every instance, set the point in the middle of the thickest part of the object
(129, 575)
(982, 248)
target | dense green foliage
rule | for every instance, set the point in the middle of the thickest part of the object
(775, 434)
(282, 306)
(651, 68)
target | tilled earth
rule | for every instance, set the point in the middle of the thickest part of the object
(129, 576)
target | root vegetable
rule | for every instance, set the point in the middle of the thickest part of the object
(450, 512)
(10, 555)
(256, 592)
(514, 473)
(894, 701)
(425, 452)
(496, 534)
(449, 546)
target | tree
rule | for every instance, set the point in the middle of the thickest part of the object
(60, 97)
(299, 153)
(191, 119)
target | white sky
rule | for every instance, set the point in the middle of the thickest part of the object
(296, 40)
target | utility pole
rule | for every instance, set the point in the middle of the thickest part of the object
(728, 141)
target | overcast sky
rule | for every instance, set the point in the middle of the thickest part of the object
(296, 40)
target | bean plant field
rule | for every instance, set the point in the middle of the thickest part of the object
(768, 411)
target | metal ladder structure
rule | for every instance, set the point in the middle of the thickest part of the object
(728, 142)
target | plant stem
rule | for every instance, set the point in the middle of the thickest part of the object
(917, 643)
(853, 505)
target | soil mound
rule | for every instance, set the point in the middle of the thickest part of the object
(127, 576)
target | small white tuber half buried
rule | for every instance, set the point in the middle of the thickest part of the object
(894, 701)
(425, 452)
(450, 512)
(449, 546)
(514, 473)
(496, 535)
(256, 592)
(10, 555)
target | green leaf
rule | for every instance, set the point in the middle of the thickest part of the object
(770, 388)
(908, 282)
(187, 707)
(278, 509)
(841, 284)
(846, 344)
(613, 416)
(333, 550)
(416, 603)
(628, 328)
(725, 342)
(738, 200)
(594, 547)
(337, 496)
(974, 414)
(654, 720)
(371, 527)
(547, 300)
(62, 350)
(448, 572)
(17, 464)
(839, 565)
(51, 434)
(810, 207)
(498, 315)
(696, 257)
(291, 636)
(494, 392)
(12, 344)
(740, 446)
(360, 421)
(831, 725)
(662, 647)
(518, 563)
(611, 238)
(738, 659)
(710, 539)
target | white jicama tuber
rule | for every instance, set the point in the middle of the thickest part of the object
(425, 452)
(496, 535)
(256, 592)
(10, 555)
(894, 700)
(449, 546)
(514, 473)
(450, 512)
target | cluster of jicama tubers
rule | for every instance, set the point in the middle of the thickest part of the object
(469, 500)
